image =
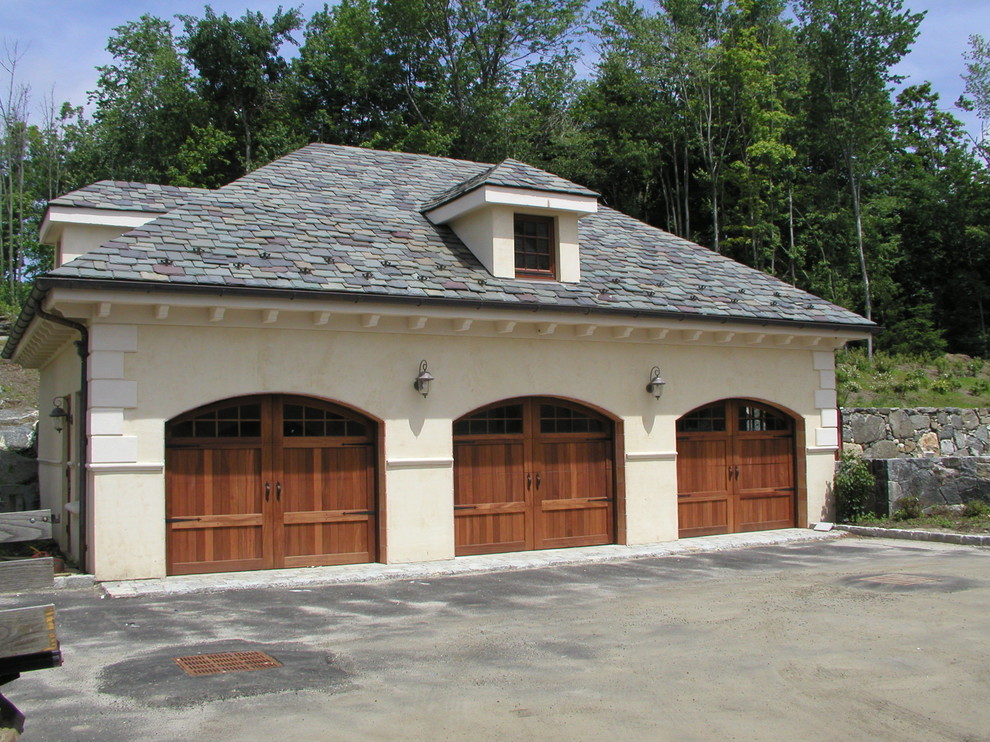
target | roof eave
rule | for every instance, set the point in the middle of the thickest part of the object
(46, 283)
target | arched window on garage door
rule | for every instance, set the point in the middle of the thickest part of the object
(533, 473)
(736, 469)
(269, 481)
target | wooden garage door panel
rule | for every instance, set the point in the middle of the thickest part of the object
(326, 479)
(574, 469)
(227, 549)
(327, 505)
(488, 533)
(761, 513)
(765, 463)
(488, 473)
(216, 508)
(574, 494)
(489, 497)
(735, 469)
(702, 517)
(532, 474)
(270, 481)
(579, 526)
(335, 542)
(214, 481)
(702, 466)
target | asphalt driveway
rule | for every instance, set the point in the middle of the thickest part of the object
(846, 639)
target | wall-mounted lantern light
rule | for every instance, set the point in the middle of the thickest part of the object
(655, 387)
(60, 415)
(423, 381)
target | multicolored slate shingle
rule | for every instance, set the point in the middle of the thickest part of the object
(122, 195)
(350, 221)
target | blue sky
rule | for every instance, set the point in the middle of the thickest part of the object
(62, 41)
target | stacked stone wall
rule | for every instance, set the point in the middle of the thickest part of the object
(922, 432)
(939, 455)
(18, 465)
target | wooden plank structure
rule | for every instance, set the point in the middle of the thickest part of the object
(28, 638)
(30, 525)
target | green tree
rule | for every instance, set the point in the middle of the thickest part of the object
(851, 49)
(469, 78)
(240, 74)
(145, 106)
(944, 202)
(977, 79)
(762, 66)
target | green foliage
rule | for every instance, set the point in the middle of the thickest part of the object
(910, 380)
(976, 509)
(854, 488)
(240, 74)
(908, 508)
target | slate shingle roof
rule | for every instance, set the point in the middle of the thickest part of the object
(513, 174)
(347, 220)
(122, 195)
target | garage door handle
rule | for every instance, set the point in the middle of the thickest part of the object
(268, 491)
(529, 480)
(278, 491)
(538, 480)
(180, 520)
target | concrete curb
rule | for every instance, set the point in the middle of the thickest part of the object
(73, 582)
(358, 573)
(967, 539)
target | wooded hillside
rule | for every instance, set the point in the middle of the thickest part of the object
(767, 130)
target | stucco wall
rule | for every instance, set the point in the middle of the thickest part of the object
(57, 451)
(78, 239)
(149, 373)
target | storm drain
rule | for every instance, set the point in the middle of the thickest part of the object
(214, 664)
(899, 579)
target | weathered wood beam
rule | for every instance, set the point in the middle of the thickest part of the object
(29, 525)
(26, 575)
(27, 631)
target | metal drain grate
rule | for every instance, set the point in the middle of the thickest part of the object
(900, 579)
(213, 664)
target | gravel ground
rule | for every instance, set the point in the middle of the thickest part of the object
(845, 639)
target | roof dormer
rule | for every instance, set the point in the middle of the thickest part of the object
(84, 219)
(519, 221)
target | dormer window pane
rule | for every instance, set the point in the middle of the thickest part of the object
(535, 248)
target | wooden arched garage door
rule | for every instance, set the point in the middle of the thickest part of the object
(269, 481)
(534, 473)
(735, 469)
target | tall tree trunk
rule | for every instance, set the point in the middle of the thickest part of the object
(247, 142)
(792, 250)
(854, 188)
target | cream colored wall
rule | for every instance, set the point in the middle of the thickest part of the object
(60, 377)
(167, 370)
(476, 230)
(78, 239)
(489, 233)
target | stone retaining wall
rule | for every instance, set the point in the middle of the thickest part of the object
(949, 480)
(18, 465)
(889, 433)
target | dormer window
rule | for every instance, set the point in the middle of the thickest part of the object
(520, 222)
(535, 247)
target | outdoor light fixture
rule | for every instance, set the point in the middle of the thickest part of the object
(423, 381)
(59, 415)
(655, 387)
